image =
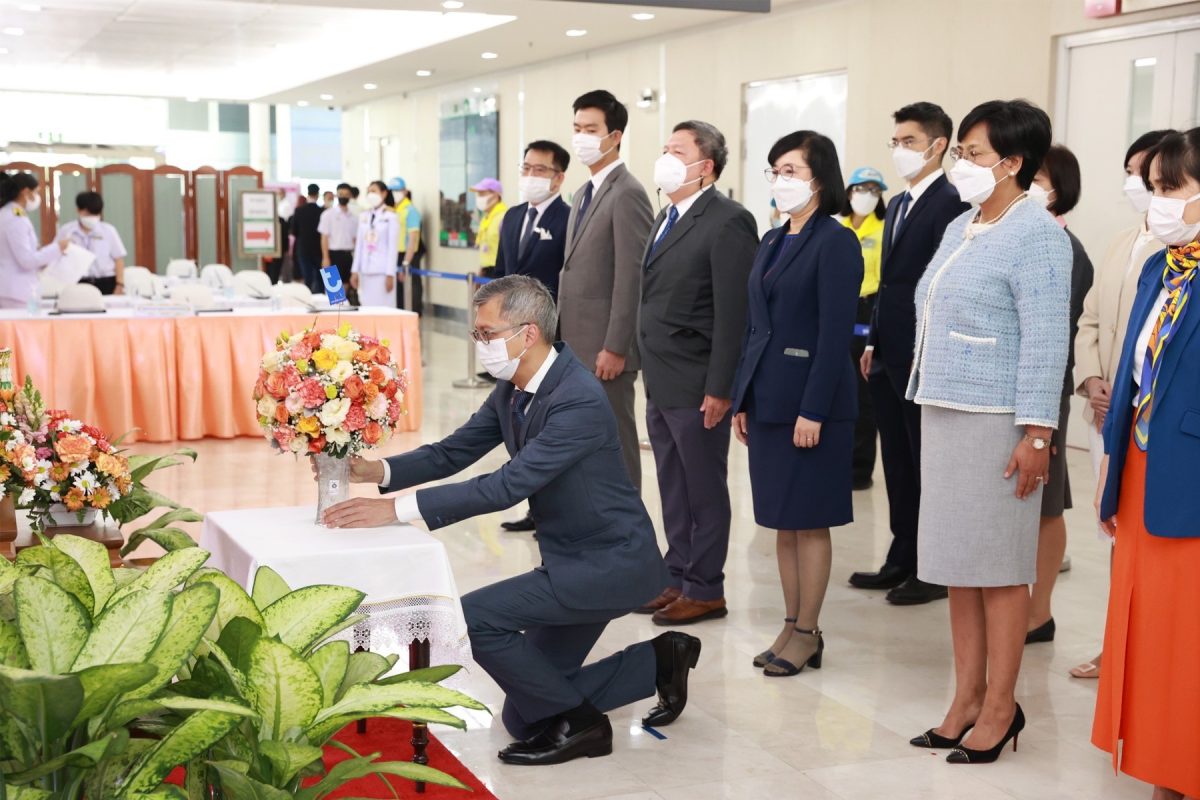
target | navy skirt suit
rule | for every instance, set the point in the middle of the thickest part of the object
(803, 301)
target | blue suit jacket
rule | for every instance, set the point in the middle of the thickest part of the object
(797, 345)
(544, 258)
(1173, 455)
(597, 541)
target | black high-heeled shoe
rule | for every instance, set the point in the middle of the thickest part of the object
(965, 755)
(930, 740)
(766, 656)
(1042, 633)
(790, 669)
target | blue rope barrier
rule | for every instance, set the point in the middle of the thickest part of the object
(452, 276)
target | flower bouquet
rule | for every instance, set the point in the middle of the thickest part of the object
(329, 394)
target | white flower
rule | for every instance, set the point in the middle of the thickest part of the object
(79, 467)
(266, 407)
(294, 403)
(7, 419)
(56, 497)
(378, 407)
(341, 371)
(71, 426)
(86, 483)
(26, 497)
(299, 444)
(272, 361)
(333, 413)
(114, 491)
(41, 474)
(344, 348)
(337, 436)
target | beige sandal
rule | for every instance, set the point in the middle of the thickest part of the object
(1088, 669)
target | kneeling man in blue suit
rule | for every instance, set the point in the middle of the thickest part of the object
(600, 559)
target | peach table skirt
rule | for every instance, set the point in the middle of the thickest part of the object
(179, 378)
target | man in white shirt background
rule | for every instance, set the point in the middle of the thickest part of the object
(92, 233)
(339, 228)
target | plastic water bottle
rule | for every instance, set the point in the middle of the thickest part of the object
(34, 306)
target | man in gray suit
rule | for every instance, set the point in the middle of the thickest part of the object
(602, 272)
(693, 317)
(600, 559)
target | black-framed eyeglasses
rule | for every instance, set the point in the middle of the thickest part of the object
(538, 170)
(483, 337)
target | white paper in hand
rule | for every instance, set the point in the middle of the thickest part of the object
(71, 265)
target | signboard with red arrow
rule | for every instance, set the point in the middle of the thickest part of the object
(258, 225)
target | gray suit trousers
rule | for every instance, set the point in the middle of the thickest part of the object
(534, 648)
(620, 397)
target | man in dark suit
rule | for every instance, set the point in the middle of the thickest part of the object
(600, 559)
(601, 278)
(692, 321)
(308, 239)
(912, 231)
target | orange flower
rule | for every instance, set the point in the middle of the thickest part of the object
(73, 449)
(378, 376)
(371, 392)
(277, 385)
(59, 472)
(101, 498)
(124, 484)
(372, 433)
(112, 466)
(316, 445)
(383, 355)
(73, 499)
(353, 387)
(281, 414)
(365, 355)
(5, 473)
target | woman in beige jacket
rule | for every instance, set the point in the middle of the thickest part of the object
(1106, 316)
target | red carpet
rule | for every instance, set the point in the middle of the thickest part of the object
(390, 738)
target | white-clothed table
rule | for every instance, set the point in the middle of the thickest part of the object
(404, 572)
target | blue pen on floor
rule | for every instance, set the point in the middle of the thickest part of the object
(654, 733)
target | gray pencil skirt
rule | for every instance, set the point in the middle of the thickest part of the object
(973, 530)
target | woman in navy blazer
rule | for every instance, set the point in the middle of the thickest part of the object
(1148, 704)
(795, 396)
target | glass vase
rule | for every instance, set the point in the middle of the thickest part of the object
(333, 482)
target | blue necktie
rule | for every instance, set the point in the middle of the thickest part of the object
(583, 207)
(520, 399)
(672, 218)
(900, 215)
(530, 234)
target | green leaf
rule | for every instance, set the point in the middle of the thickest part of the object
(168, 539)
(110, 773)
(164, 792)
(106, 682)
(237, 678)
(192, 611)
(237, 640)
(354, 768)
(417, 772)
(427, 675)
(288, 758)
(44, 704)
(363, 667)
(125, 576)
(129, 710)
(348, 622)
(140, 466)
(127, 630)
(237, 786)
(183, 743)
(8, 575)
(53, 623)
(430, 716)
(92, 558)
(375, 698)
(301, 618)
(12, 649)
(165, 574)
(234, 601)
(25, 793)
(178, 703)
(269, 586)
(283, 688)
(176, 515)
(329, 662)
(83, 757)
(62, 570)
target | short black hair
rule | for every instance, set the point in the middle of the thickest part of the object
(616, 116)
(90, 202)
(710, 141)
(354, 192)
(558, 155)
(345, 186)
(880, 207)
(13, 183)
(1178, 157)
(1014, 128)
(1147, 141)
(313, 189)
(933, 120)
(1062, 167)
(822, 158)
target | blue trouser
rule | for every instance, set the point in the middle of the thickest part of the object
(310, 271)
(534, 647)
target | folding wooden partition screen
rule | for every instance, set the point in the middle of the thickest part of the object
(164, 213)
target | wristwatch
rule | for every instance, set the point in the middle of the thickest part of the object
(1038, 444)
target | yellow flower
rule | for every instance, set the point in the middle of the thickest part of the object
(331, 391)
(309, 426)
(325, 359)
(386, 342)
(344, 331)
(302, 365)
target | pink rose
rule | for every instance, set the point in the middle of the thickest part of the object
(394, 412)
(356, 418)
(284, 436)
(291, 377)
(312, 393)
(300, 352)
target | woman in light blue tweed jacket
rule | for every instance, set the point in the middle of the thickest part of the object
(992, 336)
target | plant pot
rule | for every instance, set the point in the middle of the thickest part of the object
(333, 482)
(62, 517)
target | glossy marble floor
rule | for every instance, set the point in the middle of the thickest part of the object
(841, 732)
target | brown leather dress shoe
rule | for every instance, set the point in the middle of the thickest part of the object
(668, 596)
(686, 611)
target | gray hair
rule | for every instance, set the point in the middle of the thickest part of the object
(710, 141)
(522, 300)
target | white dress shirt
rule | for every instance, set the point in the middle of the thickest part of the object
(1143, 340)
(915, 192)
(340, 225)
(103, 242)
(598, 178)
(537, 220)
(406, 506)
(683, 206)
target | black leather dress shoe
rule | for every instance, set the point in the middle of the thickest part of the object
(677, 654)
(557, 744)
(916, 592)
(523, 525)
(1042, 633)
(888, 577)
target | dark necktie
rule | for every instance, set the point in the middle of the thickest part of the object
(672, 218)
(583, 207)
(520, 399)
(530, 234)
(900, 215)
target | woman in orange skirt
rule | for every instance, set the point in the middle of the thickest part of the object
(1148, 705)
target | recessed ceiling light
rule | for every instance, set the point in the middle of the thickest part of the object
(14, 31)
(370, 87)
(451, 5)
(326, 97)
(489, 55)
(302, 103)
(424, 73)
(576, 32)
(643, 16)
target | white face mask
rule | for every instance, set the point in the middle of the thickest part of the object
(1039, 196)
(494, 357)
(33, 203)
(1139, 196)
(485, 202)
(587, 147)
(374, 199)
(1164, 219)
(670, 173)
(534, 190)
(909, 162)
(89, 223)
(974, 183)
(791, 194)
(863, 203)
